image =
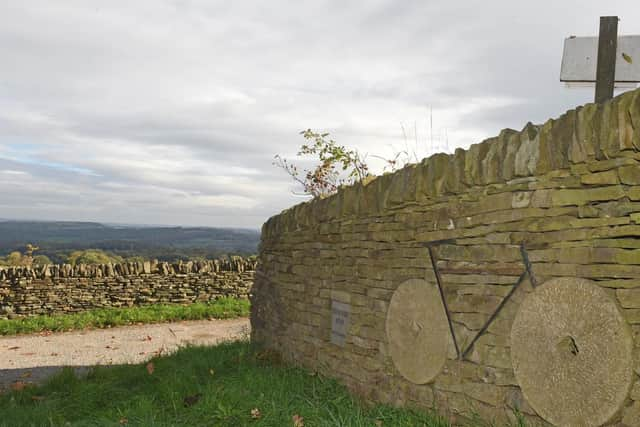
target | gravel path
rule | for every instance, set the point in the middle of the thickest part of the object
(33, 358)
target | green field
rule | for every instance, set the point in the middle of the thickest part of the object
(223, 308)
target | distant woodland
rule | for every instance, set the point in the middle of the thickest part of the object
(61, 242)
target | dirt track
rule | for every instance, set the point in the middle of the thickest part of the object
(32, 358)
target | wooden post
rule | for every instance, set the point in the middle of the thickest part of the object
(606, 66)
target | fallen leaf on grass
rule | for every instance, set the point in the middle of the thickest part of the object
(124, 421)
(18, 386)
(150, 368)
(255, 413)
(37, 398)
(298, 421)
(192, 400)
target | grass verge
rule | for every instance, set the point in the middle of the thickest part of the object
(222, 308)
(228, 385)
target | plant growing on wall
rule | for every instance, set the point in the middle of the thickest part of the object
(337, 165)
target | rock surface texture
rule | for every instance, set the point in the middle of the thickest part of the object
(491, 228)
(571, 330)
(417, 331)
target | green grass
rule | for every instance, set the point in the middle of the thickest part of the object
(222, 308)
(232, 379)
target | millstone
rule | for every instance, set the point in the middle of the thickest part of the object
(571, 351)
(417, 331)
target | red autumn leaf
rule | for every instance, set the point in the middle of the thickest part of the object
(18, 386)
(298, 421)
(150, 368)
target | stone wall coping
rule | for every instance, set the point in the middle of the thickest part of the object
(234, 264)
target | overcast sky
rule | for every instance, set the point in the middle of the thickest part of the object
(170, 112)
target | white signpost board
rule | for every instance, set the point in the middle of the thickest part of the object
(608, 61)
(580, 59)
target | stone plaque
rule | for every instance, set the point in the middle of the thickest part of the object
(571, 351)
(340, 313)
(417, 331)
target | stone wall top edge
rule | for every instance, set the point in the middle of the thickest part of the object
(589, 132)
(235, 264)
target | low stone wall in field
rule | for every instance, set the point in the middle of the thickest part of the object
(500, 279)
(56, 289)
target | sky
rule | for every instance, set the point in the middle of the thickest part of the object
(171, 111)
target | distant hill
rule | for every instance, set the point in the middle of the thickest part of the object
(58, 238)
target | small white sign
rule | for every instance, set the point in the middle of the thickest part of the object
(340, 313)
(580, 59)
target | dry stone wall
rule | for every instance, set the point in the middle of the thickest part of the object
(501, 278)
(57, 289)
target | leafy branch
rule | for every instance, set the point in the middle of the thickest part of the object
(337, 165)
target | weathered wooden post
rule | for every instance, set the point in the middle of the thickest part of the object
(606, 66)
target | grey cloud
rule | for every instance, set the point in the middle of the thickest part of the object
(171, 111)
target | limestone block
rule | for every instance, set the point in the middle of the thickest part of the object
(609, 177)
(630, 174)
(579, 197)
(454, 178)
(634, 118)
(528, 153)
(437, 168)
(629, 298)
(609, 131)
(623, 122)
(631, 415)
(493, 163)
(512, 145)
(521, 199)
(473, 162)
